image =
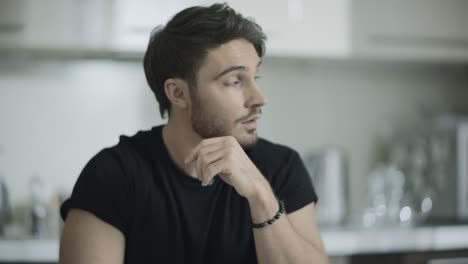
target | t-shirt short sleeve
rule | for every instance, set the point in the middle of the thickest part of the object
(102, 189)
(294, 184)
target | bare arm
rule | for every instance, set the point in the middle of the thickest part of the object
(88, 239)
(293, 238)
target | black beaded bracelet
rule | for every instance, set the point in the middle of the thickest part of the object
(276, 217)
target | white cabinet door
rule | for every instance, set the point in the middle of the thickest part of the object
(11, 23)
(133, 21)
(325, 31)
(293, 27)
(416, 29)
(67, 24)
(311, 28)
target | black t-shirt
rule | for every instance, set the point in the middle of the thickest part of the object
(166, 216)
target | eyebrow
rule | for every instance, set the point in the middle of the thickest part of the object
(230, 69)
(234, 68)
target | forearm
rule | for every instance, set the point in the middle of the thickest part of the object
(279, 242)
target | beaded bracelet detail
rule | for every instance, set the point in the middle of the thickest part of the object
(271, 221)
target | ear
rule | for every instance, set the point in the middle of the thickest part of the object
(177, 92)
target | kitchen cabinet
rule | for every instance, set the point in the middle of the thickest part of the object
(67, 24)
(55, 24)
(12, 18)
(418, 30)
(421, 30)
(294, 27)
(133, 21)
(411, 30)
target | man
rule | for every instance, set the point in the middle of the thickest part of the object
(203, 188)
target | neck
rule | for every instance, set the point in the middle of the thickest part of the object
(180, 140)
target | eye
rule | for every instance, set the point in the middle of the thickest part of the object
(234, 82)
(257, 78)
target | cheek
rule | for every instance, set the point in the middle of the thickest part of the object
(211, 108)
(225, 104)
(233, 99)
(231, 109)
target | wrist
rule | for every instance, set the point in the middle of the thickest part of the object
(263, 203)
(270, 221)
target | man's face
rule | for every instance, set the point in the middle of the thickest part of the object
(227, 100)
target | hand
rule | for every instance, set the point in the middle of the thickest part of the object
(224, 156)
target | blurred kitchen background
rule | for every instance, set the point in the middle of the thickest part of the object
(372, 93)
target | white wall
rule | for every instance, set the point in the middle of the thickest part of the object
(54, 115)
(314, 104)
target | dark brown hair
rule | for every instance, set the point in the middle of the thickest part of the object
(178, 49)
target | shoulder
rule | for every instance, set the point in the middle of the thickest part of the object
(118, 171)
(284, 168)
(122, 161)
(265, 149)
(139, 142)
(130, 149)
(271, 157)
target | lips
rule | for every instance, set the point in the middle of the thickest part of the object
(251, 119)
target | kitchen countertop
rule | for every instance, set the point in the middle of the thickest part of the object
(345, 242)
(29, 250)
(338, 242)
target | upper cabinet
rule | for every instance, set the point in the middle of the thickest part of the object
(411, 30)
(376, 29)
(55, 24)
(293, 27)
(133, 21)
(11, 22)
(311, 28)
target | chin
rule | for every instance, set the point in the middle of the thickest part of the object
(247, 138)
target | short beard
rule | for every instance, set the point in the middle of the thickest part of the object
(204, 123)
(208, 125)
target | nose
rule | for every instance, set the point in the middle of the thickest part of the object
(254, 96)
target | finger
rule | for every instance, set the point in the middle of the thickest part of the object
(204, 161)
(192, 155)
(204, 143)
(198, 167)
(212, 170)
(206, 150)
(225, 178)
(204, 157)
